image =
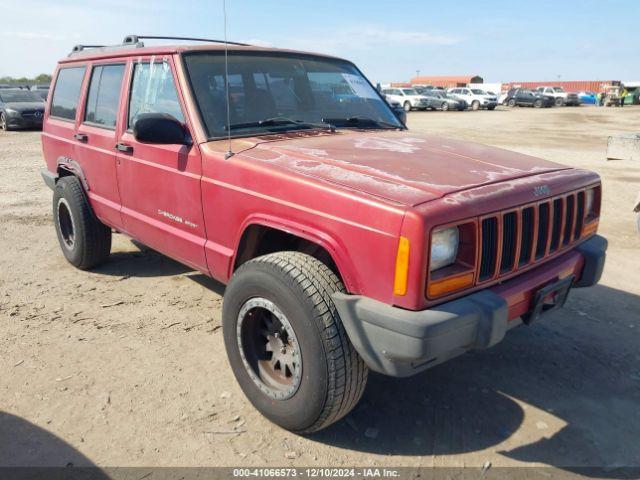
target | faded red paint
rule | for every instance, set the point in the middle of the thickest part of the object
(352, 192)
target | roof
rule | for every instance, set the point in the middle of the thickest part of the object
(140, 50)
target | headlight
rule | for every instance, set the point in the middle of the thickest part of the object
(444, 247)
(589, 199)
(11, 112)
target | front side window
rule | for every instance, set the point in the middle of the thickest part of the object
(153, 91)
(64, 103)
(276, 92)
(104, 95)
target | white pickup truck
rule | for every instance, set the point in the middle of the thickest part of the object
(475, 98)
(561, 97)
(409, 98)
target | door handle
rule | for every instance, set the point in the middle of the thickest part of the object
(123, 147)
(81, 137)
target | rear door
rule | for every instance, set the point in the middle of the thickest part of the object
(95, 138)
(160, 184)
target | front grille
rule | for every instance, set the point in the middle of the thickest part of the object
(489, 247)
(518, 238)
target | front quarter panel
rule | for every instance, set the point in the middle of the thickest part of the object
(359, 231)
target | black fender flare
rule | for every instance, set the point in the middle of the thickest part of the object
(72, 167)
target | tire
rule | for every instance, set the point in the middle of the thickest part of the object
(559, 102)
(294, 290)
(475, 105)
(84, 240)
(537, 104)
(445, 106)
(3, 123)
(512, 102)
(407, 106)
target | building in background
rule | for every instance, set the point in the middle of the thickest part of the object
(568, 86)
(446, 82)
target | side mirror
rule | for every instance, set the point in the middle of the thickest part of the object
(160, 128)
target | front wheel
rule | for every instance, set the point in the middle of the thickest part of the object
(512, 102)
(3, 122)
(407, 106)
(475, 105)
(559, 102)
(445, 106)
(286, 344)
(537, 104)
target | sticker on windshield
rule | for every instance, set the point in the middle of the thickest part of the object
(359, 86)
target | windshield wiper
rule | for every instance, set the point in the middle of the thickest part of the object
(360, 122)
(280, 121)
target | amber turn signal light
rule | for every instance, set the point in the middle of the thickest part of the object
(402, 268)
(590, 227)
(450, 284)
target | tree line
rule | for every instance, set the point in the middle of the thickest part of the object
(42, 78)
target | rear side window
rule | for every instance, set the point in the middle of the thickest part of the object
(153, 91)
(104, 95)
(67, 92)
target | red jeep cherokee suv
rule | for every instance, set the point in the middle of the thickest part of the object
(347, 243)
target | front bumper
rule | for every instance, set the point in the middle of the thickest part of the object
(19, 121)
(400, 343)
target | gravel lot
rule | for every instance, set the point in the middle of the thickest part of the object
(125, 365)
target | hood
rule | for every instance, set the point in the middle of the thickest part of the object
(400, 166)
(21, 106)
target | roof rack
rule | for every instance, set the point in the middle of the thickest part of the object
(135, 41)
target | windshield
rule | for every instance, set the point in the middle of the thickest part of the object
(276, 92)
(410, 91)
(19, 96)
(558, 89)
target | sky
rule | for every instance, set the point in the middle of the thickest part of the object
(496, 39)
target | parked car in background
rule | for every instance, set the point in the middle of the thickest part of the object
(409, 98)
(588, 98)
(20, 109)
(474, 97)
(438, 100)
(526, 98)
(561, 97)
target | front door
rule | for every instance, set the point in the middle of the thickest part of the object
(160, 184)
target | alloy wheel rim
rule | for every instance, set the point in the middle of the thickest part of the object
(269, 348)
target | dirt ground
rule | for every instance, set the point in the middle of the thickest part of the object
(125, 365)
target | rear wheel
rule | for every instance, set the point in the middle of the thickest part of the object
(407, 106)
(286, 344)
(84, 240)
(475, 105)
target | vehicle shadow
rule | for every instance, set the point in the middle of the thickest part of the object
(142, 263)
(563, 392)
(23, 444)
